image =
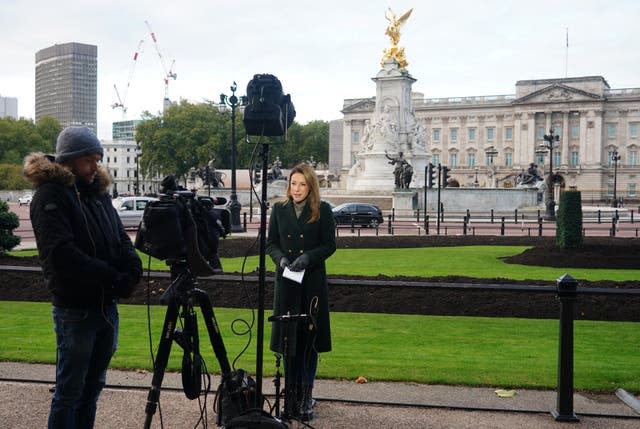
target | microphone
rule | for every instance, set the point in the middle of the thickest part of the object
(288, 317)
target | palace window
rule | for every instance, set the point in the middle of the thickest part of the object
(633, 130)
(575, 159)
(490, 133)
(355, 137)
(575, 131)
(508, 159)
(508, 133)
(611, 130)
(453, 160)
(436, 135)
(471, 159)
(472, 134)
(454, 134)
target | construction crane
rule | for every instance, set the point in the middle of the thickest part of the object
(122, 100)
(168, 72)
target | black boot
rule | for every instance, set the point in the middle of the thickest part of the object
(307, 404)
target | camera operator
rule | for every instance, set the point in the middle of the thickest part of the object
(301, 236)
(88, 262)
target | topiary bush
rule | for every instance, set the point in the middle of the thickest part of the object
(569, 221)
(8, 222)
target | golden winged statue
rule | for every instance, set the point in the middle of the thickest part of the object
(393, 31)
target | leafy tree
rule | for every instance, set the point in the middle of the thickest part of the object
(11, 177)
(49, 128)
(8, 222)
(189, 135)
(18, 138)
(303, 142)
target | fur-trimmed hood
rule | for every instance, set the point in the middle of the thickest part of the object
(40, 168)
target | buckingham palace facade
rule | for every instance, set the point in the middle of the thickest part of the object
(488, 141)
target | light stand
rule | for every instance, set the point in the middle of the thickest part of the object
(234, 205)
(255, 417)
(615, 157)
(265, 98)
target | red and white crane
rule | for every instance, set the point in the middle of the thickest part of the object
(121, 103)
(168, 72)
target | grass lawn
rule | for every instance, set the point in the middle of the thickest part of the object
(427, 349)
(515, 353)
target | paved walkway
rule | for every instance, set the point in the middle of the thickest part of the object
(25, 398)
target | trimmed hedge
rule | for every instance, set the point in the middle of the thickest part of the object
(569, 221)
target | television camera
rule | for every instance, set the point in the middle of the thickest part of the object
(184, 227)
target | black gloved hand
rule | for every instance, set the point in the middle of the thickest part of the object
(123, 285)
(136, 276)
(284, 262)
(301, 263)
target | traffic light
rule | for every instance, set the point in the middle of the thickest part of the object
(445, 176)
(432, 175)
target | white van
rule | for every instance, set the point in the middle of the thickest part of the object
(131, 209)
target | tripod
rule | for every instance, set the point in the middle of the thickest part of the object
(180, 298)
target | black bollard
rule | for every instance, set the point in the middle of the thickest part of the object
(426, 224)
(464, 226)
(539, 226)
(389, 230)
(631, 216)
(515, 218)
(599, 216)
(502, 226)
(491, 215)
(393, 213)
(352, 223)
(244, 221)
(418, 215)
(567, 295)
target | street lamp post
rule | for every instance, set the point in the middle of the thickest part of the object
(615, 157)
(137, 185)
(476, 181)
(234, 205)
(550, 140)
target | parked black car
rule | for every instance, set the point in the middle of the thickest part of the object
(362, 214)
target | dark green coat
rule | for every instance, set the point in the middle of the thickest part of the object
(291, 237)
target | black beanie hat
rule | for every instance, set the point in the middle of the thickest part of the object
(74, 142)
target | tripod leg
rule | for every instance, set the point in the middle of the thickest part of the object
(164, 348)
(214, 330)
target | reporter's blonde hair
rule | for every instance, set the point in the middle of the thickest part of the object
(313, 199)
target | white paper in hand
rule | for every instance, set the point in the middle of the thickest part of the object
(296, 276)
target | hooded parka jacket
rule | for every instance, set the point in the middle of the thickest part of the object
(290, 236)
(86, 256)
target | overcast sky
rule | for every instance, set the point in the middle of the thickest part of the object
(322, 51)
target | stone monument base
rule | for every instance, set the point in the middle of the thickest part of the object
(404, 202)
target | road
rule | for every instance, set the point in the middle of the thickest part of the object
(594, 225)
